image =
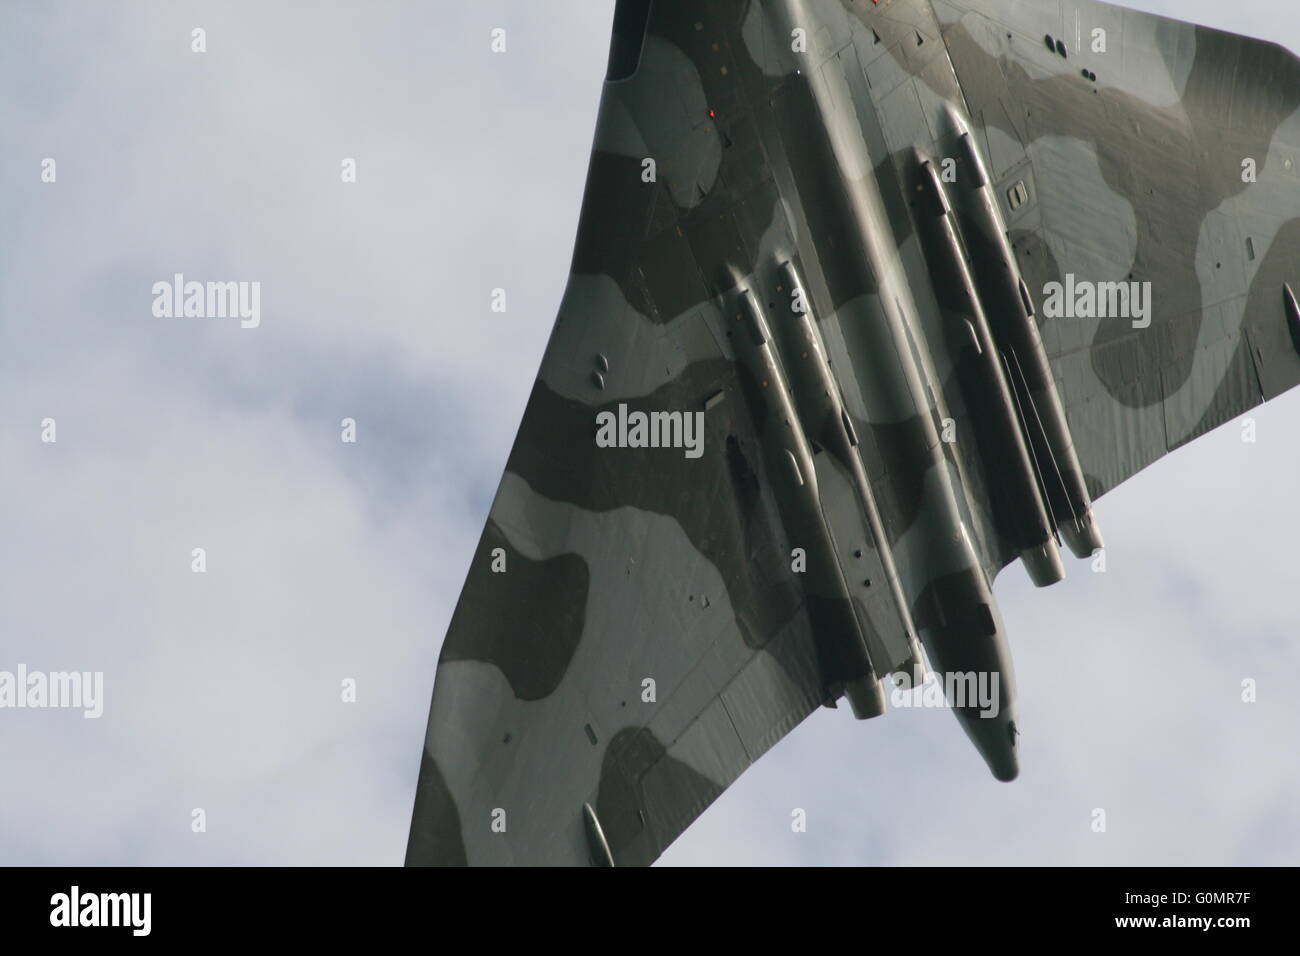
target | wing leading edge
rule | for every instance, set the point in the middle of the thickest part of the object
(631, 635)
(634, 631)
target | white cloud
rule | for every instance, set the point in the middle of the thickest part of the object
(329, 560)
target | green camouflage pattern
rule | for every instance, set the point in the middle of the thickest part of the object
(821, 268)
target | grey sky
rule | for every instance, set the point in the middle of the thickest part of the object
(329, 561)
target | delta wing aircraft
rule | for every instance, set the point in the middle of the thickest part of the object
(869, 299)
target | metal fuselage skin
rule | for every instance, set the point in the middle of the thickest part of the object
(818, 228)
(912, 310)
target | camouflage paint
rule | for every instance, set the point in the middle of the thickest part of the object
(628, 565)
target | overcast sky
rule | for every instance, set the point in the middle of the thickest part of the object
(328, 561)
